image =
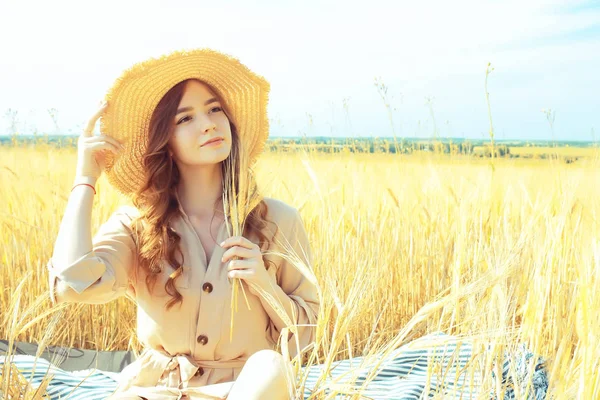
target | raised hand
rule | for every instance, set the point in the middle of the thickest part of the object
(91, 149)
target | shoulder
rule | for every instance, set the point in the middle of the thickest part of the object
(123, 217)
(284, 215)
(291, 234)
(279, 206)
(126, 213)
(118, 226)
(280, 211)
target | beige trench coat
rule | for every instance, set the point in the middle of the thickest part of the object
(188, 349)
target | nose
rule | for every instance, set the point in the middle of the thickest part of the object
(206, 124)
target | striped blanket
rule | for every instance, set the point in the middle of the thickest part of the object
(401, 375)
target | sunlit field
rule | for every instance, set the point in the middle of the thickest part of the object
(403, 246)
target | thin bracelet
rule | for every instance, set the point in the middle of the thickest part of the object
(85, 184)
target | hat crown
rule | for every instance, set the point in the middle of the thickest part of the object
(134, 96)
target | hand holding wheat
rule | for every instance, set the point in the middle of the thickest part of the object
(240, 197)
(248, 263)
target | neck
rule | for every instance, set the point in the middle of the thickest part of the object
(200, 191)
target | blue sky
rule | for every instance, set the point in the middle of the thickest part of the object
(320, 54)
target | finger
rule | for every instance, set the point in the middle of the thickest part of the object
(88, 131)
(245, 274)
(240, 264)
(238, 241)
(240, 252)
(104, 138)
(104, 146)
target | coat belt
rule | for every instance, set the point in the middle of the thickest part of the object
(153, 363)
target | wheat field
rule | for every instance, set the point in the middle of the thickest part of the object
(402, 246)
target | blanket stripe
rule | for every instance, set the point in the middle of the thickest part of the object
(401, 375)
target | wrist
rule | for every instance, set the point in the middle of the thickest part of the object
(90, 180)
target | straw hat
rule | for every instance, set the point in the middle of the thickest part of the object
(136, 93)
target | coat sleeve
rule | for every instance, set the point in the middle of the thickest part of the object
(302, 290)
(104, 273)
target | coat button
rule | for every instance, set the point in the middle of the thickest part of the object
(207, 287)
(199, 372)
(202, 339)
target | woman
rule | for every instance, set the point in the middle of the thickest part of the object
(178, 133)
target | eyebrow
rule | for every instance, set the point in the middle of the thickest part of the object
(184, 109)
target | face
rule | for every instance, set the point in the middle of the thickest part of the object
(199, 119)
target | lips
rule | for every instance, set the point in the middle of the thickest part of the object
(216, 139)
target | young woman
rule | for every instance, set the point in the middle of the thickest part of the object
(174, 136)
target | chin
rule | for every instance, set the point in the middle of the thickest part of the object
(221, 157)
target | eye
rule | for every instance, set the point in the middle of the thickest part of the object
(181, 120)
(214, 108)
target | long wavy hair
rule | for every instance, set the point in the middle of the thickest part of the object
(157, 202)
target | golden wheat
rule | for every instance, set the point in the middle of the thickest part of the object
(402, 246)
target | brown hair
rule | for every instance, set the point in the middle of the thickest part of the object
(158, 203)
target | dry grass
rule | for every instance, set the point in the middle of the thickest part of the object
(402, 246)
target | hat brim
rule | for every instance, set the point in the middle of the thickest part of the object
(135, 94)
